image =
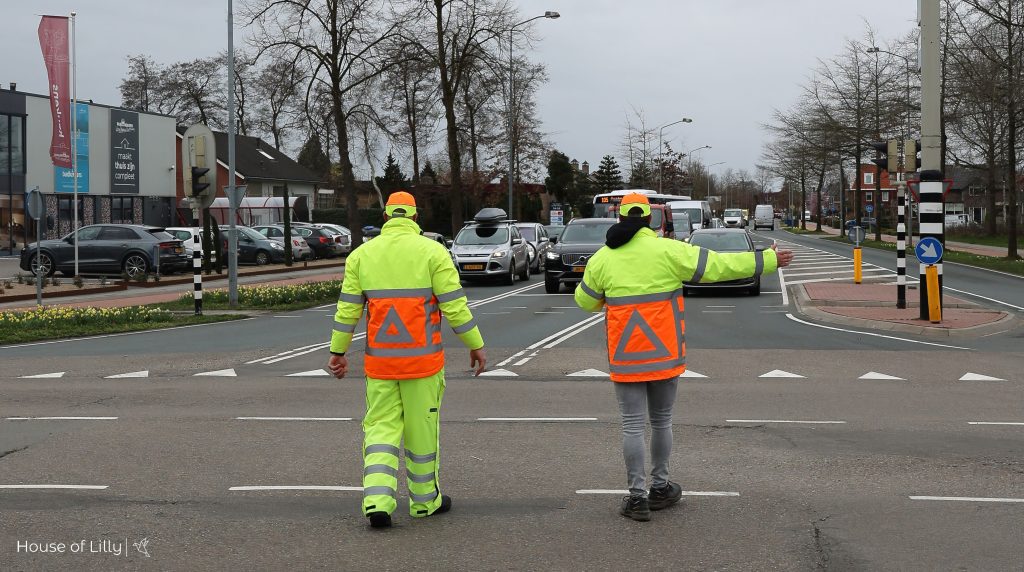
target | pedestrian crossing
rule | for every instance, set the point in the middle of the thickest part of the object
(816, 265)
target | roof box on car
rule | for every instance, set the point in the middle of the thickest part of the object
(491, 215)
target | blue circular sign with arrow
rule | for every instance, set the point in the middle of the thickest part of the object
(929, 250)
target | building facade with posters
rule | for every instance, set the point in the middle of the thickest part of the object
(126, 164)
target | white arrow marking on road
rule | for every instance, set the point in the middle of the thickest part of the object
(499, 373)
(143, 373)
(218, 373)
(968, 499)
(978, 377)
(295, 488)
(780, 373)
(54, 375)
(78, 487)
(690, 373)
(588, 373)
(310, 373)
(876, 375)
(685, 493)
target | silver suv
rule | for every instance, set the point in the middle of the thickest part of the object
(490, 245)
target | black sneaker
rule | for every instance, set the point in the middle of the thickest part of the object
(446, 505)
(379, 519)
(635, 507)
(665, 496)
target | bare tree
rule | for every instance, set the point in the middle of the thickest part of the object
(140, 88)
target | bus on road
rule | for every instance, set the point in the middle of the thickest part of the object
(603, 202)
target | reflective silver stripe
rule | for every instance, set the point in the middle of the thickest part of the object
(702, 265)
(410, 456)
(465, 327)
(399, 293)
(423, 498)
(758, 263)
(344, 328)
(590, 291)
(641, 298)
(403, 352)
(422, 479)
(386, 491)
(351, 298)
(647, 367)
(380, 469)
(391, 449)
(449, 296)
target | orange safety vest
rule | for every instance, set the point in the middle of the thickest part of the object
(646, 336)
(403, 334)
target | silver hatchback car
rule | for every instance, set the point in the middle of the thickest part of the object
(490, 245)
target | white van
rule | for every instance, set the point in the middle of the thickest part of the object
(764, 216)
(698, 211)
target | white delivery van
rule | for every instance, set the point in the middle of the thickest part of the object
(698, 211)
(764, 216)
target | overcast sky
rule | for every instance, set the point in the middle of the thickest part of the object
(724, 63)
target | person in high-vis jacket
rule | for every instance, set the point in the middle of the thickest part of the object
(406, 283)
(636, 278)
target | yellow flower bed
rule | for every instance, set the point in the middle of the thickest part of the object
(56, 316)
(264, 296)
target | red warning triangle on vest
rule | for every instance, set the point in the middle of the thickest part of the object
(645, 347)
(392, 330)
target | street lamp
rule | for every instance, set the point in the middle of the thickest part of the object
(511, 101)
(689, 156)
(661, 162)
(707, 195)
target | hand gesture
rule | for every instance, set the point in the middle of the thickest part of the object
(477, 361)
(338, 366)
(783, 257)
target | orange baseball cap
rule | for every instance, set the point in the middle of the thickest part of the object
(633, 200)
(401, 201)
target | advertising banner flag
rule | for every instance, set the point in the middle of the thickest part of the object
(53, 39)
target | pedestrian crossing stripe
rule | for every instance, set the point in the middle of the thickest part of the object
(780, 373)
(311, 373)
(143, 373)
(218, 373)
(979, 377)
(588, 373)
(876, 375)
(691, 373)
(499, 373)
(54, 375)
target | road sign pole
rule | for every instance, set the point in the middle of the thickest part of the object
(197, 270)
(901, 244)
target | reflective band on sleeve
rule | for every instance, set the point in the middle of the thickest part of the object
(758, 263)
(390, 449)
(410, 456)
(421, 479)
(647, 367)
(423, 498)
(702, 265)
(380, 469)
(351, 298)
(449, 296)
(591, 292)
(344, 328)
(465, 327)
(386, 491)
(641, 298)
(399, 293)
(403, 352)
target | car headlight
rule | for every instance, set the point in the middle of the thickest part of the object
(499, 254)
(276, 245)
(551, 255)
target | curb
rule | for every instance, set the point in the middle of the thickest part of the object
(806, 308)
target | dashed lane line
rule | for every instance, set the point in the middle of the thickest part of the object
(293, 418)
(81, 418)
(968, 499)
(295, 488)
(759, 421)
(60, 487)
(1009, 423)
(685, 493)
(537, 419)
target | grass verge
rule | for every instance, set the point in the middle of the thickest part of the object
(798, 230)
(988, 262)
(57, 322)
(272, 298)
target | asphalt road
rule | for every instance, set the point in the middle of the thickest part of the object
(795, 462)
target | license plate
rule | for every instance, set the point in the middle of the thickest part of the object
(473, 267)
(578, 268)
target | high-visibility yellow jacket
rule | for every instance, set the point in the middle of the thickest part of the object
(640, 286)
(406, 281)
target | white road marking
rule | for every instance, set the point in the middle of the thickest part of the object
(835, 272)
(716, 312)
(549, 312)
(494, 313)
(510, 358)
(600, 318)
(565, 307)
(691, 373)
(995, 334)
(883, 376)
(284, 353)
(872, 334)
(143, 373)
(62, 418)
(782, 289)
(721, 306)
(968, 499)
(553, 336)
(104, 336)
(499, 373)
(294, 488)
(293, 418)
(780, 373)
(685, 493)
(588, 373)
(514, 307)
(1014, 423)
(537, 419)
(984, 298)
(785, 421)
(217, 373)
(72, 487)
(55, 375)
(503, 295)
(978, 377)
(310, 373)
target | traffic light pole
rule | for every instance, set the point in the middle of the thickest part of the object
(232, 198)
(930, 206)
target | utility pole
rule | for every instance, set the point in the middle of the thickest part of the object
(930, 208)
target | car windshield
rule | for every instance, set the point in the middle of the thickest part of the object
(721, 241)
(586, 232)
(482, 235)
(248, 233)
(680, 220)
(162, 235)
(733, 212)
(554, 229)
(529, 233)
(657, 217)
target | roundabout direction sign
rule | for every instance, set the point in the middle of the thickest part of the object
(929, 250)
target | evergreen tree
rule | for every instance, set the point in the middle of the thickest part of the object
(312, 157)
(559, 181)
(641, 176)
(393, 177)
(608, 177)
(428, 175)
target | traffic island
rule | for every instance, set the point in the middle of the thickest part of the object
(13, 291)
(873, 306)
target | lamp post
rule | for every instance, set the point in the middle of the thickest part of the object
(511, 101)
(707, 195)
(689, 155)
(661, 163)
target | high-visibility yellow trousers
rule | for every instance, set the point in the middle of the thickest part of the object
(397, 409)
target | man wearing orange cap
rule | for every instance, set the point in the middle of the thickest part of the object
(406, 283)
(637, 279)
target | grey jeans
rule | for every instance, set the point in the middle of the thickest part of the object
(637, 400)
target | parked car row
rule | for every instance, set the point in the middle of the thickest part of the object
(131, 249)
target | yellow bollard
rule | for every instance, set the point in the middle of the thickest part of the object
(856, 265)
(934, 306)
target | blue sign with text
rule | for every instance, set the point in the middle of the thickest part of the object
(64, 179)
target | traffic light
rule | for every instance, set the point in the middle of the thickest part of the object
(199, 183)
(910, 149)
(890, 154)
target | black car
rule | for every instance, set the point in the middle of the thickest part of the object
(321, 240)
(132, 249)
(255, 248)
(724, 240)
(580, 239)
